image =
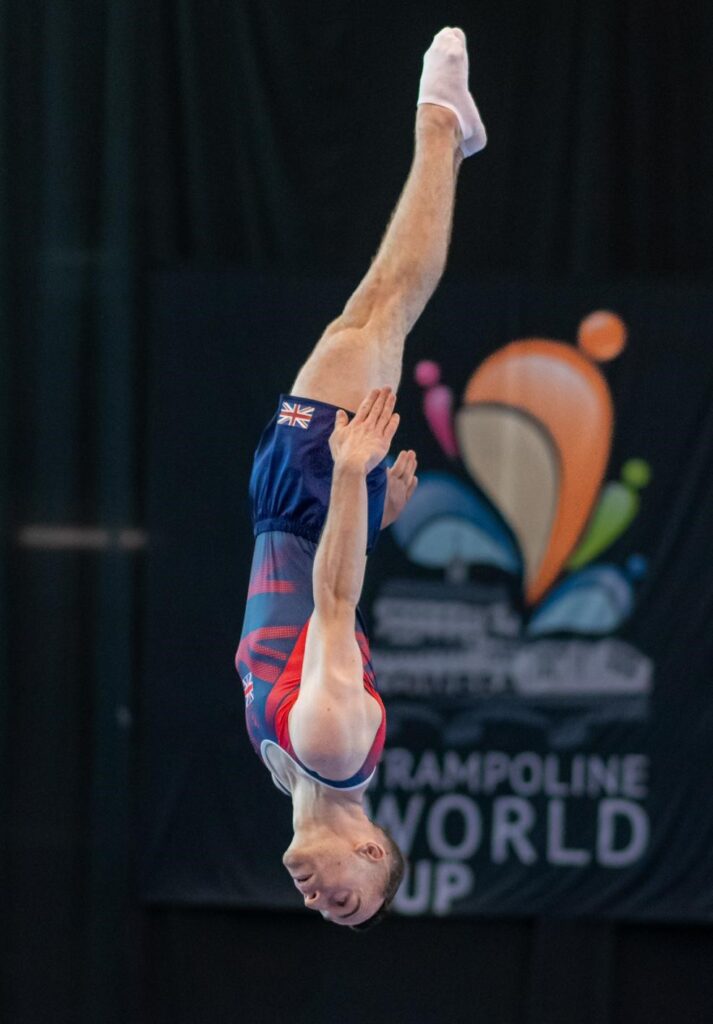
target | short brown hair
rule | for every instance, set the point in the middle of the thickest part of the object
(393, 881)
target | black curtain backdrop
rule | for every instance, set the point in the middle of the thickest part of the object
(274, 136)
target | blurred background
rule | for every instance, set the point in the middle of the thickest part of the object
(189, 193)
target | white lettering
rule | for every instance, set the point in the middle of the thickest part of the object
(461, 773)
(414, 892)
(577, 775)
(635, 776)
(526, 773)
(553, 786)
(402, 829)
(603, 775)
(398, 765)
(472, 827)
(496, 770)
(557, 852)
(513, 817)
(637, 819)
(428, 772)
(453, 881)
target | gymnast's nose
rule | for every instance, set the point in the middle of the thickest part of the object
(311, 899)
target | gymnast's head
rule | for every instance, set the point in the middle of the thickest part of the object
(349, 875)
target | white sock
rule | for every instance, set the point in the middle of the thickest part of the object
(444, 81)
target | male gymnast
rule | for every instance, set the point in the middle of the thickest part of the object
(320, 493)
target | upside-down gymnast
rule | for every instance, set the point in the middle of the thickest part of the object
(320, 493)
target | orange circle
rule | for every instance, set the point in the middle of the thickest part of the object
(602, 335)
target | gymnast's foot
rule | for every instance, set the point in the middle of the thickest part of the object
(444, 82)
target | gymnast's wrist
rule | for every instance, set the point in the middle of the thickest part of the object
(352, 465)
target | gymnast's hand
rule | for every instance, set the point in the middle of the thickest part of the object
(362, 443)
(402, 482)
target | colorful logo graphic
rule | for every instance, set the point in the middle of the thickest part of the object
(534, 433)
(503, 672)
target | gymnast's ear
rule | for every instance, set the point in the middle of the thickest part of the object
(372, 850)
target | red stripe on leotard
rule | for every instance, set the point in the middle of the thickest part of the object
(250, 646)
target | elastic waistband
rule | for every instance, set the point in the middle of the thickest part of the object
(281, 525)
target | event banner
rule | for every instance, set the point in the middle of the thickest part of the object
(539, 615)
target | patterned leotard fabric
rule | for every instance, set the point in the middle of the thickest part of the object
(270, 655)
(289, 489)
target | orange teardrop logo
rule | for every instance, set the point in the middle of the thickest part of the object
(535, 432)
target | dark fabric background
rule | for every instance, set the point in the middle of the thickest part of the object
(274, 136)
(214, 826)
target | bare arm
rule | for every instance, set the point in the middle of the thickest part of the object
(357, 447)
(338, 573)
(334, 721)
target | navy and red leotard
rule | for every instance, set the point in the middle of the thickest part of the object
(289, 489)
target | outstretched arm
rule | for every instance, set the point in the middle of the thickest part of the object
(333, 721)
(356, 447)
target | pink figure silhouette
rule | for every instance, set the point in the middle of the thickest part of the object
(437, 405)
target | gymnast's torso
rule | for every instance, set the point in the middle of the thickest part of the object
(271, 652)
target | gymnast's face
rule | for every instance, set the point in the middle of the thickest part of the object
(341, 880)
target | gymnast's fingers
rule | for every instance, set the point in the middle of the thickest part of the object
(391, 427)
(387, 409)
(365, 406)
(399, 466)
(377, 408)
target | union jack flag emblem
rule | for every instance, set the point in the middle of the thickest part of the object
(294, 415)
(249, 689)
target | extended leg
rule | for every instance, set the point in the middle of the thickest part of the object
(363, 348)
